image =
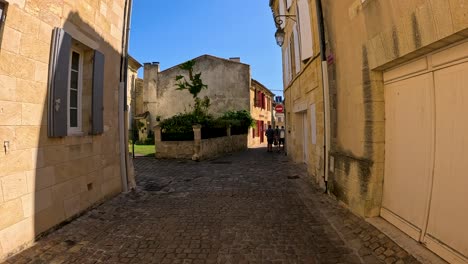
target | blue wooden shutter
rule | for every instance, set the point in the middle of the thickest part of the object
(98, 93)
(59, 67)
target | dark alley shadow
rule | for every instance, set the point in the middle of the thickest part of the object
(77, 171)
(62, 175)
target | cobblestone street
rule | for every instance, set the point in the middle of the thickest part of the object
(251, 207)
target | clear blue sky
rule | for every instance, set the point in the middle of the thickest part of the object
(174, 31)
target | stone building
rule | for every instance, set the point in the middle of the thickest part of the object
(261, 99)
(302, 78)
(396, 127)
(134, 86)
(228, 88)
(59, 103)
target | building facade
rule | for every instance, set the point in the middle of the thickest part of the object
(261, 99)
(134, 86)
(59, 99)
(396, 72)
(228, 88)
(302, 77)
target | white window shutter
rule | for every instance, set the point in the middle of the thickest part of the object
(297, 56)
(288, 4)
(282, 11)
(307, 49)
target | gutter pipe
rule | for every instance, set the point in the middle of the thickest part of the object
(326, 90)
(123, 95)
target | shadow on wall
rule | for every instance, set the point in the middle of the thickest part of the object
(77, 154)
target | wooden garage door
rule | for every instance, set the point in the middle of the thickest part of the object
(426, 153)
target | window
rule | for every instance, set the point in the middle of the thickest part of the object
(75, 104)
(292, 52)
(297, 56)
(3, 11)
(263, 101)
(287, 65)
(258, 102)
(305, 29)
(75, 92)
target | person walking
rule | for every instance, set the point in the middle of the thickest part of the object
(270, 135)
(276, 137)
(282, 135)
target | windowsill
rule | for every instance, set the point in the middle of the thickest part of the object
(75, 134)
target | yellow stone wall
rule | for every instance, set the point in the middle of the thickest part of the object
(44, 181)
(300, 94)
(304, 91)
(258, 113)
(364, 39)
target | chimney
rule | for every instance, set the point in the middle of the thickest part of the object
(150, 81)
(236, 59)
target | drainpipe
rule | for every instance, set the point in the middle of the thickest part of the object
(123, 95)
(326, 89)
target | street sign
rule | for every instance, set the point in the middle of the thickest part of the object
(279, 108)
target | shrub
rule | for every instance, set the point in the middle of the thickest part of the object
(240, 121)
(183, 123)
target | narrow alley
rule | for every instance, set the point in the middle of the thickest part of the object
(250, 207)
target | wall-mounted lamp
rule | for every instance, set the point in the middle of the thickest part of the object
(279, 34)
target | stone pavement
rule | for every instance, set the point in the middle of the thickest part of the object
(250, 207)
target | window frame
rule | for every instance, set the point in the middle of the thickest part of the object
(79, 107)
(3, 13)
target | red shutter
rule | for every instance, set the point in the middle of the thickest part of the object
(263, 101)
(259, 128)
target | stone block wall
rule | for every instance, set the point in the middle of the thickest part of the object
(214, 147)
(384, 34)
(303, 91)
(198, 149)
(174, 149)
(44, 181)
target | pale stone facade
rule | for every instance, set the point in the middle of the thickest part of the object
(43, 180)
(393, 66)
(228, 88)
(261, 99)
(380, 40)
(133, 88)
(382, 145)
(303, 94)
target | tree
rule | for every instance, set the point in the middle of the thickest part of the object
(194, 86)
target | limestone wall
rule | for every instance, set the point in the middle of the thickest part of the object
(228, 87)
(364, 38)
(214, 147)
(174, 149)
(198, 149)
(303, 94)
(44, 181)
(259, 113)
